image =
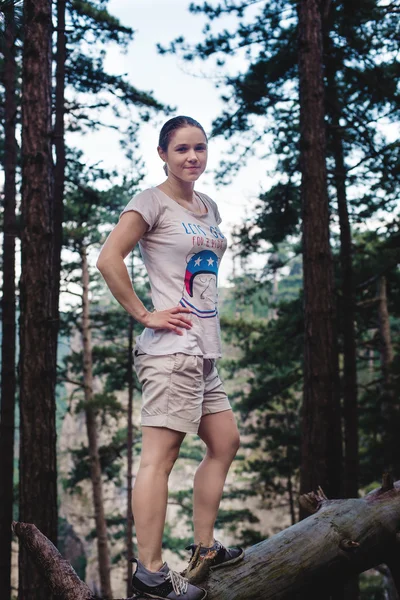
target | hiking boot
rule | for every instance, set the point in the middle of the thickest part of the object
(164, 584)
(224, 556)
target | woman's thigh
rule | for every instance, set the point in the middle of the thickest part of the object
(160, 446)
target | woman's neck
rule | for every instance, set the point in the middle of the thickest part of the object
(181, 190)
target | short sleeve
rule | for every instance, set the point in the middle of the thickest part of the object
(214, 208)
(217, 215)
(147, 205)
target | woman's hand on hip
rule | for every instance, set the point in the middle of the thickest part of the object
(173, 319)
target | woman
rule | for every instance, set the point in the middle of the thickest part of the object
(181, 244)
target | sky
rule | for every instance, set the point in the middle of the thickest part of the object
(189, 88)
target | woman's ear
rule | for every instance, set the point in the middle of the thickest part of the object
(162, 154)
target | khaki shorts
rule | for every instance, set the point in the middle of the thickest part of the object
(178, 389)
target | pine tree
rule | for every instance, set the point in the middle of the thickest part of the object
(38, 468)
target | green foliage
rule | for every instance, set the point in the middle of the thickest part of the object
(115, 528)
(175, 543)
(371, 586)
(246, 299)
(103, 404)
(279, 214)
(95, 24)
(93, 28)
(109, 454)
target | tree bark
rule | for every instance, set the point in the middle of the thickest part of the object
(90, 413)
(38, 466)
(341, 538)
(321, 446)
(8, 342)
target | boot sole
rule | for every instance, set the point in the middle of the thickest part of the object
(227, 563)
(147, 595)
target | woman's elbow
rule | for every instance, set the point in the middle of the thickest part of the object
(101, 262)
(107, 261)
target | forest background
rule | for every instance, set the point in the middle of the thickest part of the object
(233, 66)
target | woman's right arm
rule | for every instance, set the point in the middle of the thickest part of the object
(121, 241)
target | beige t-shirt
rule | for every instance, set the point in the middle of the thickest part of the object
(182, 252)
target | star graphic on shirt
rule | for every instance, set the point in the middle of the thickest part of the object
(198, 261)
(210, 261)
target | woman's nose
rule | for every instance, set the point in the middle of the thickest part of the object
(192, 156)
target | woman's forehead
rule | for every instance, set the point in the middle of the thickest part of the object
(188, 135)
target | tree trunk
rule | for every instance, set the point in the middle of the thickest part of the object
(59, 168)
(129, 523)
(350, 408)
(90, 412)
(8, 342)
(38, 466)
(321, 447)
(307, 560)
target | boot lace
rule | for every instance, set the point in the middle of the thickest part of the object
(179, 583)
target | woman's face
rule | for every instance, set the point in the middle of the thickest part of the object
(186, 156)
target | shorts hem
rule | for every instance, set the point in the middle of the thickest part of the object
(169, 422)
(216, 408)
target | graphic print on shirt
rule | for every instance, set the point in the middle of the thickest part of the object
(200, 285)
(214, 238)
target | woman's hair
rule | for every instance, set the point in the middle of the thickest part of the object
(173, 125)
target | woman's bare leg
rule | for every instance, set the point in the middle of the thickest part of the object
(220, 434)
(160, 449)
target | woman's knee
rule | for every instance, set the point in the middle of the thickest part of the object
(234, 444)
(220, 433)
(158, 464)
(224, 449)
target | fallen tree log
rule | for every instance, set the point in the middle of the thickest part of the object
(341, 539)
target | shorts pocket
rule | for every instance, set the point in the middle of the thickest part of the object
(209, 364)
(180, 361)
